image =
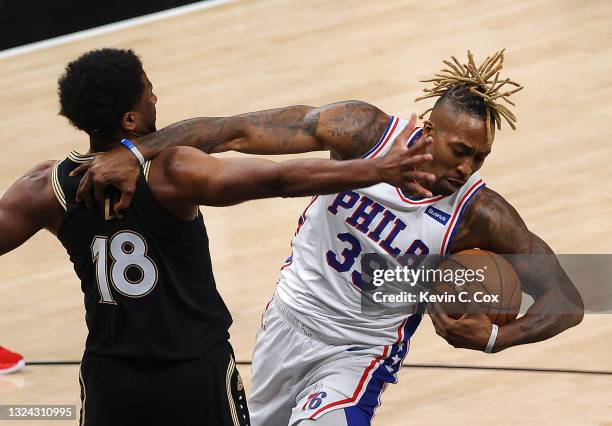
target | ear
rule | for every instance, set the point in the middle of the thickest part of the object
(128, 121)
(427, 128)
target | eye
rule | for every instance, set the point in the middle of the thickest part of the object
(480, 157)
(459, 152)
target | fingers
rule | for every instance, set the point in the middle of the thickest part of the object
(420, 145)
(424, 177)
(435, 309)
(438, 315)
(444, 325)
(411, 161)
(84, 191)
(401, 139)
(98, 189)
(124, 201)
(80, 169)
(412, 123)
(413, 189)
(473, 310)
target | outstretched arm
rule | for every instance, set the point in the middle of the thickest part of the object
(194, 178)
(27, 207)
(347, 129)
(491, 223)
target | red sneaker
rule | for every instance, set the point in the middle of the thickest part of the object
(10, 361)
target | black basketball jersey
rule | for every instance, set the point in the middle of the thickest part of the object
(147, 277)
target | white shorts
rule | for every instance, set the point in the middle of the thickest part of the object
(297, 377)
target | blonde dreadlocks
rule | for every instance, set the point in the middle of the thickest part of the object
(463, 81)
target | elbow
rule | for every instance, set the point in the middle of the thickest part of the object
(577, 316)
(572, 320)
(578, 309)
(575, 313)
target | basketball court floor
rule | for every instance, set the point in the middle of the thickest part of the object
(240, 56)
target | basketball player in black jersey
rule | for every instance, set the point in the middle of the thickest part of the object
(157, 351)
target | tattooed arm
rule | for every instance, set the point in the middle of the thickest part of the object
(491, 223)
(347, 129)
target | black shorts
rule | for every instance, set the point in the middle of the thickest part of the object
(207, 392)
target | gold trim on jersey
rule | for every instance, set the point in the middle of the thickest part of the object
(79, 158)
(83, 396)
(145, 169)
(228, 382)
(57, 187)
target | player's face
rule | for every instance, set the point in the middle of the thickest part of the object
(145, 109)
(459, 148)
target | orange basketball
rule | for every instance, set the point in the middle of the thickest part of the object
(492, 284)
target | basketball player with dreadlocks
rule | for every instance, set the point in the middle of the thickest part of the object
(318, 359)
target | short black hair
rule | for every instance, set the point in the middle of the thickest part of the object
(98, 88)
(460, 98)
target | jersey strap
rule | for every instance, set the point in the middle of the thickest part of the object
(57, 187)
(145, 168)
(456, 218)
(384, 139)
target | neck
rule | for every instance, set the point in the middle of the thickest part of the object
(102, 143)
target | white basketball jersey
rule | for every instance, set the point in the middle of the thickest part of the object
(321, 282)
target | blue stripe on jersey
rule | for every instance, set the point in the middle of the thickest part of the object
(382, 138)
(415, 136)
(361, 414)
(456, 225)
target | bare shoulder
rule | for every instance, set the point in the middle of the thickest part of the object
(32, 194)
(171, 176)
(490, 222)
(39, 175)
(36, 183)
(489, 206)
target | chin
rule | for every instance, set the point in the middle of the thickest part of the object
(442, 189)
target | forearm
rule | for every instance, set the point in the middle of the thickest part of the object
(276, 131)
(289, 130)
(314, 176)
(236, 181)
(348, 129)
(203, 133)
(557, 303)
(550, 315)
